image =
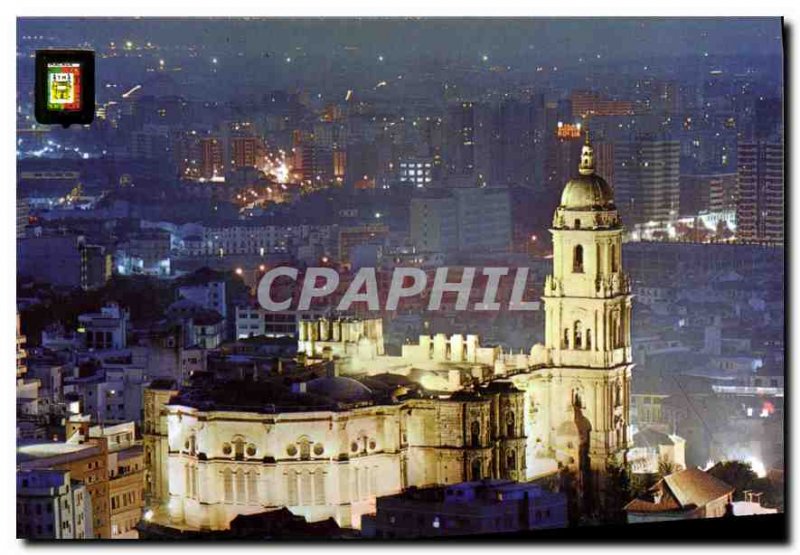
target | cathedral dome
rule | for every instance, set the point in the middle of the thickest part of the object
(588, 190)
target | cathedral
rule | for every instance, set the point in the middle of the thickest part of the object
(578, 401)
(446, 410)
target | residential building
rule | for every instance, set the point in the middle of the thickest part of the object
(485, 507)
(682, 495)
(86, 462)
(588, 103)
(52, 506)
(62, 259)
(647, 179)
(126, 477)
(21, 354)
(462, 219)
(107, 329)
(760, 201)
(207, 294)
(653, 450)
(415, 171)
(254, 321)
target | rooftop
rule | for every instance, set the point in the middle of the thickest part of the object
(681, 491)
(32, 450)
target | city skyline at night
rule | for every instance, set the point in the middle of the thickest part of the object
(394, 278)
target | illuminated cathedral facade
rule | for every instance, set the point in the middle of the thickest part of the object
(330, 446)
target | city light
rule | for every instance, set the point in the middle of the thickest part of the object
(316, 291)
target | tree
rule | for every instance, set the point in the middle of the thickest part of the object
(738, 474)
(618, 492)
(666, 467)
(641, 484)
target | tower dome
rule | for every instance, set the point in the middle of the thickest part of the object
(588, 190)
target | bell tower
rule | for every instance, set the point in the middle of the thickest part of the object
(587, 332)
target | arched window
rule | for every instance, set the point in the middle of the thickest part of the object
(291, 487)
(510, 425)
(305, 448)
(578, 335)
(306, 497)
(240, 487)
(187, 480)
(238, 449)
(577, 224)
(476, 470)
(475, 433)
(600, 269)
(511, 460)
(252, 487)
(193, 482)
(227, 482)
(577, 260)
(613, 258)
(566, 339)
(613, 331)
(319, 487)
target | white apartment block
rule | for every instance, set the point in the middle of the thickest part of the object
(52, 506)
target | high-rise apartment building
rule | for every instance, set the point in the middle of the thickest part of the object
(759, 206)
(647, 179)
(515, 155)
(463, 219)
(246, 152)
(467, 142)
(587, 103)
(707, 193)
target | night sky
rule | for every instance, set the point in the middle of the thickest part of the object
(560, 39)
